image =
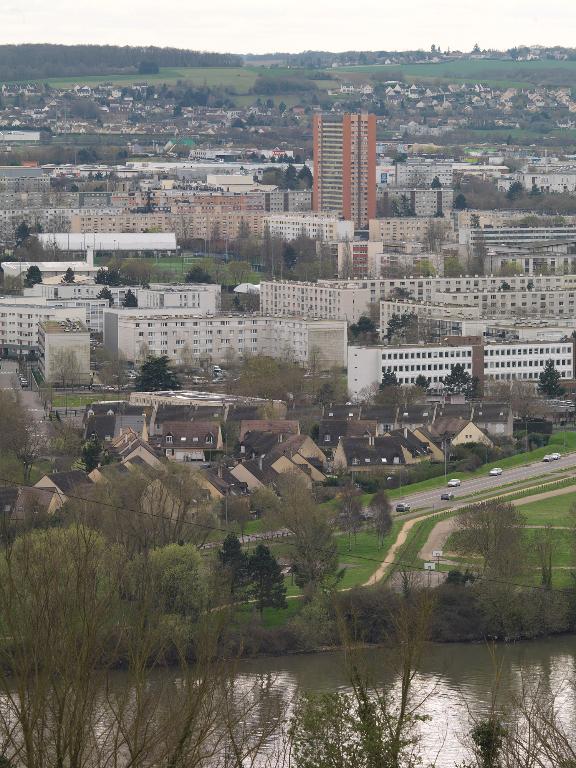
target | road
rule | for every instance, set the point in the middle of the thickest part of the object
(431, 499)
(28, 397)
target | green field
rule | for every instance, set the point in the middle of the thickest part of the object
(553, 511)
(364, 545)
(505, 74)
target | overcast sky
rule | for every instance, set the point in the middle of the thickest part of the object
(260, 26)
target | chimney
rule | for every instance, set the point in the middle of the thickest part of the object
(406, 432)
(280, 438)
(220, 473)
(260, 460)
(371, 440)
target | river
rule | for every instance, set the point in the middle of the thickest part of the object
(457, 680)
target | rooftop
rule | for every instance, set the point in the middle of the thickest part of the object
(63, 326)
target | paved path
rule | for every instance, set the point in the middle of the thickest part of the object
(440, 533)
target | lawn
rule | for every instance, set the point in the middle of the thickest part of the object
(364, 544)
(240, 78)
(553, 511)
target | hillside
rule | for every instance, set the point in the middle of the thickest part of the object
(37, 62)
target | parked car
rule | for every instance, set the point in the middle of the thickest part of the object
(447, 496)
(548, 457)
(495, 472)
(454, 483)
(555, 456)
(402, 507)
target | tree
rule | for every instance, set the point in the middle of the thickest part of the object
(69, 276)
(382, 515)
(33, 276)
(459, 381)
(422, 382)
(155, 375)
(238, 510)
(198, 275)
(315, 553)
(350, 510)
(108, 276)
(267, 582)
(305, 177)
(399, 325)
(22, 234)
(28, 445)
(365, 328)
(130, 299)
(516, 191)
(492, 530)
(388, 380)
(106, 293)
(436, 183)
(91, 454)
(549, 381)
(234, 561)
(460, 202)
(65, 367)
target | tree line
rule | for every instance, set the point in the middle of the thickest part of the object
(36, 61)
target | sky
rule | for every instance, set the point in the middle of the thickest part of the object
(262, 26)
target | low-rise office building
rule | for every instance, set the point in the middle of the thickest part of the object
(505, 361)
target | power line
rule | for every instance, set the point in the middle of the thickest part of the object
(219, 529)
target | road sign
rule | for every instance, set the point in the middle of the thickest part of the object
(429, 566)
(437, 553)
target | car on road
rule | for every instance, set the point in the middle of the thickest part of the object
(555, 456)
(402, 507)
(495, 472)
(548, 457)
(446, 496)
(454, 483)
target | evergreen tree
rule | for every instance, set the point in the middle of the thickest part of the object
(198, 275)
(388, 380)
(130, 299)
(459, 381)
(33, 276)
(436, 183)
(422, 382)
(234, 561)
(267, 583)
(460, 202)
(22, 233)
(155, 375)
(549, 381)
(106, 293)
(69, 276)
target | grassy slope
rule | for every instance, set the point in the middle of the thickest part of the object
(493, 72)
(553, 511)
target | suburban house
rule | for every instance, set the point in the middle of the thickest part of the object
(65, 484)
(356, 454)
(272, 426)
(195, 441)
(331, 430)
(460, 432)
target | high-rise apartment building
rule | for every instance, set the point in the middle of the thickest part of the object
(345, 166)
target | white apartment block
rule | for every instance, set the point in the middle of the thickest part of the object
(64, 352)
(20, 323)
(182, 333)
(418, 172)
(406, 229)
(338, 300)
(203, 298)
(560, 180)
(506, 361)
(473, 236)
(416, 202)
(318, 226)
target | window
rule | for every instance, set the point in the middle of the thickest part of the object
(169, 440)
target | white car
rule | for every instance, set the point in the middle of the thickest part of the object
(548, 457)
(455, 483)
(495, 472)
(555, 456)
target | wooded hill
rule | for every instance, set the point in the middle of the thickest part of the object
(34, 62)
